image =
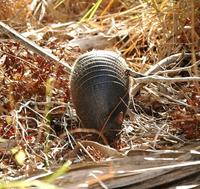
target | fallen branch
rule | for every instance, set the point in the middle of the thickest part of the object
(159, 67)
(32, 46)
(153, 79)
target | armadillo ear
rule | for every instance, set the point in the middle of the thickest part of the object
(119, 118)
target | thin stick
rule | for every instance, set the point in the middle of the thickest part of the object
(187, 68)
(31, 45)
(86, 151)
(151, 79)
(158, 67)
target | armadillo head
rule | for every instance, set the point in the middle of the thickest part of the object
(100, 91)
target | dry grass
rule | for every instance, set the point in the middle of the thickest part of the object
(34, 97)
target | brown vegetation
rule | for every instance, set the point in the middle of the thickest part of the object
(36, 115)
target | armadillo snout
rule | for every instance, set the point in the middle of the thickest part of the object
(99, 89)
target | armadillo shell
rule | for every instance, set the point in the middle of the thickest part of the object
(99, 89)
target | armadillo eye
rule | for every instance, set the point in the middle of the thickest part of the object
(119, 118)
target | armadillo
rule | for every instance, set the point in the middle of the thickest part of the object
(100, 91)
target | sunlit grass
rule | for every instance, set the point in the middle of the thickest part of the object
(91, 12)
